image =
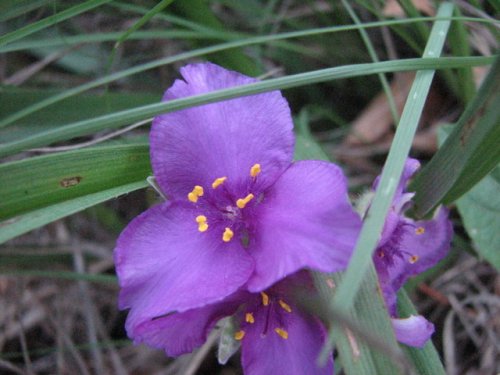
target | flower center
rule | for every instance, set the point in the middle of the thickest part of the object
(392, 249)
(222, 210)
(271, 310)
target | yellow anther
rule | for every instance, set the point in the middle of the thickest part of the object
(265, 298)
(195, 194)
(420, 230)
(218, 181)
(255, 170)
(285, 306)
(201, 219)
(202, 223)
(241, 203)
(249, 318)
(282, 333)
(227, 235)
(413, 259)
(239, 335)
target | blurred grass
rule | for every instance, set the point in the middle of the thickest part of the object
(312, 48)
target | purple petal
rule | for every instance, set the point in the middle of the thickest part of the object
(165, 264)
(264, 352)
(422, 251)
(305, 220)
(413, 248)
(197, 145)
(413, 331)
(180, 333)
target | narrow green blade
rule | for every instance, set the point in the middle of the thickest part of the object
(469, 153)
(37, 218)
(118, 119)
(393, 168)
(51, 20)
(425, 360)
(41, 181)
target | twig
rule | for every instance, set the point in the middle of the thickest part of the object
(94, 141)
(9, 366)
(449, 345)
(88, 313)
(24, 74)
(200, 355)
(68, 345)
(474, 11)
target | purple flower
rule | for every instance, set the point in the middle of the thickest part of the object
(407, 248)
(276, 337)
(239, 213)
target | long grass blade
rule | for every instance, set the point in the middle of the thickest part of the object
(51, 20)
(8, 11)
(18, 225)
(470, 152)
(425, 360)
(195, 53)
(118, 119)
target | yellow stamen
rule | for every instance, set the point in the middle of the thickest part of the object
(241, 203)
(218, 181)
(195, 194)
(249, 318)
(420, 230)
(265, 298)
(227, 235)
(239, 335)
(282, 333)
(285, 306)
(413, 259)
(255, 170)
(201, 219)
(202, 223)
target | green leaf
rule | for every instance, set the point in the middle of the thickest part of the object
(34, 219)
(41, 181)
(469, 153)
(480, 211)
